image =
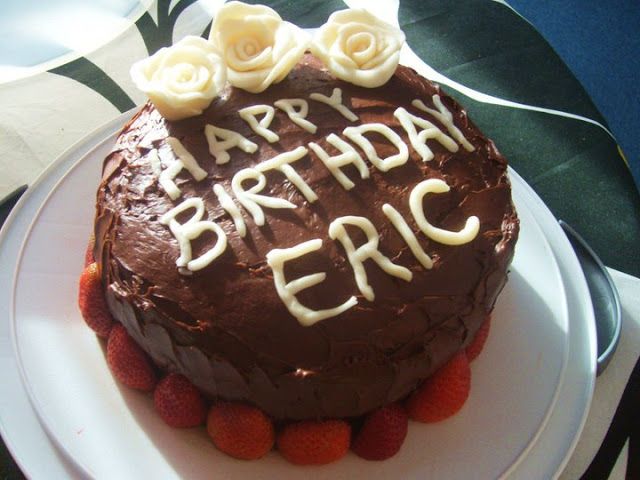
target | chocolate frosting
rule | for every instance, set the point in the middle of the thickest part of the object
(226, 328)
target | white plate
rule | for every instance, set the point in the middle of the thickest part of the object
(531, 387)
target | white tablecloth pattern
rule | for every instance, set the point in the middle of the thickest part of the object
(45, 113)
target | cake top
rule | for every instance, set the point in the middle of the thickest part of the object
(353, 46)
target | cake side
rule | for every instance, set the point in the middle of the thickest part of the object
(226, 328)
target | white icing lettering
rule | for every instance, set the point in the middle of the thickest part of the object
(299, 117)
(282, 163)
(446, 237)
(221, 141)
(335, 102)
(184, 160)
(261, 127)
(250, 199)
(407, 235)
(226, 202)
(276, 259)
(192, 229)
(154, 161)
(356, 135)
(230, 139)
(166, 179)
(446, 118)
(368, 250)
(429, 130)
(187, 159)
(347, 156)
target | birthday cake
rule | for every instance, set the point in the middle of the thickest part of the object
(311, 244)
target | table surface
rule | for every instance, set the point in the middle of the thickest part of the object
(572, 164)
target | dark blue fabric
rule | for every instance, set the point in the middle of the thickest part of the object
(600, 42)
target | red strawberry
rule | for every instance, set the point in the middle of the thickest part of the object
(442, 394)
(313, 442)
(178, 402)
(128, 362)
(477, 344)
(382, 434)
(239, 430)
(88, 254)
(92, 303)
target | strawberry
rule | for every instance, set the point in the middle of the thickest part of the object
(442, 394)
(128, 362)
(92, 303)
(88, 254)
(178, 402)
(312, 442)
(239, 430)
(477, 344)
(382, 433)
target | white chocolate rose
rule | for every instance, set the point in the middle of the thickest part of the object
(258, 47)
(358, 47)
(181, 80)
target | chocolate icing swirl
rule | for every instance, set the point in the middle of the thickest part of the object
(225, 327)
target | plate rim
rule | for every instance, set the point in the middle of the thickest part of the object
(588, 322)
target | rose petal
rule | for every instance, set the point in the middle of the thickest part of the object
(238, 11)
(362, 47)
(299, 42)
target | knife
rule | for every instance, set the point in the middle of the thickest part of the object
(604, 297)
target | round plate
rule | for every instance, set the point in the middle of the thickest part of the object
(531, 387)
